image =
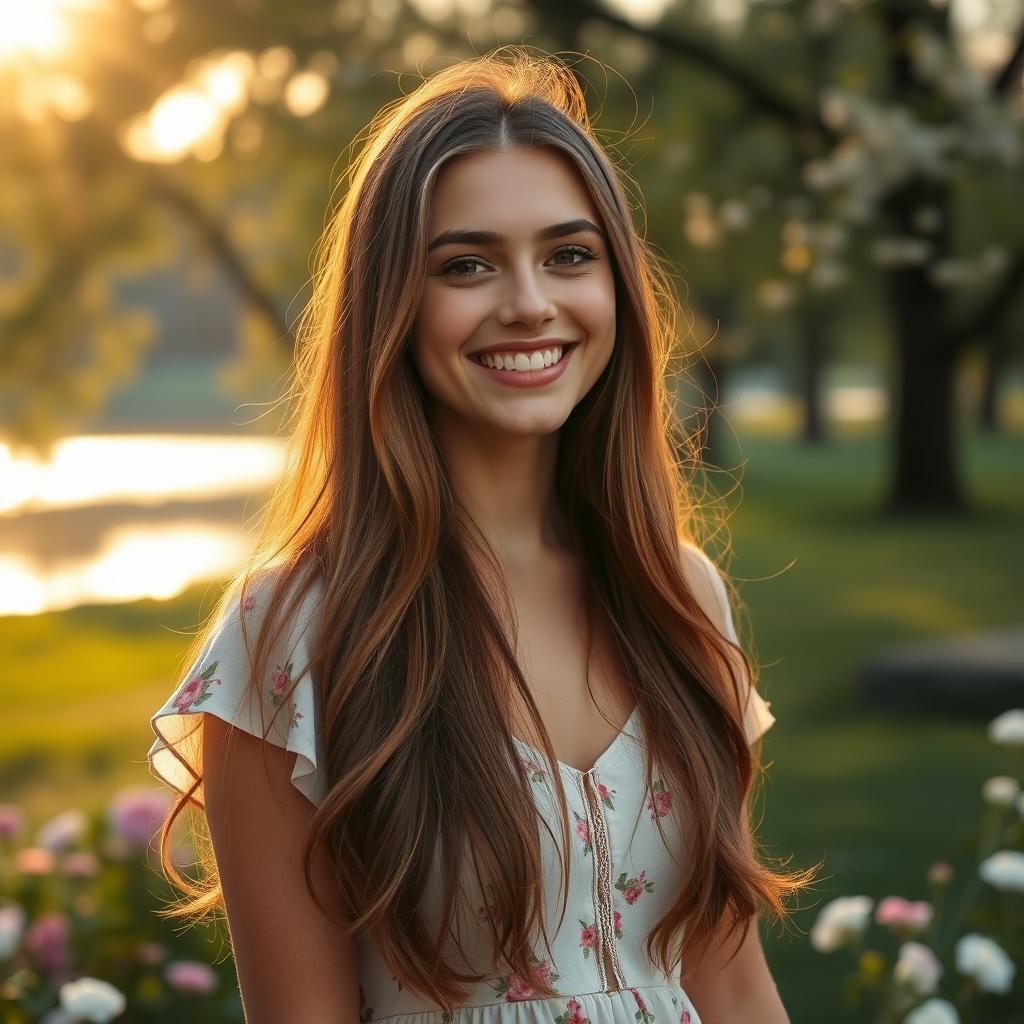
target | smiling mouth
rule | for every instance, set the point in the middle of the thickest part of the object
(521, 362)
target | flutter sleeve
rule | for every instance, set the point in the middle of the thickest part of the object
(217, 683)
(757, 719)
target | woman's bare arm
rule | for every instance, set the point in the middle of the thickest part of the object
(292, 962)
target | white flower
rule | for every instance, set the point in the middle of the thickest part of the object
(92, 1000)
(775, 294)
(918, 968)
(900, 251)
(1004, 870)
(986, 962)
(12, 924)
(1008, 728)
(734, 214)
(933, 1011)
(843, 919)
(827, 275)
(62, 831)
(1000, 790)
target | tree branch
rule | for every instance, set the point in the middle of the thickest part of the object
(986, 317)
(762, 96)
(216, 239)
(1011, 69)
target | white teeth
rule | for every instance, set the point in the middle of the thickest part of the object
(521, 361)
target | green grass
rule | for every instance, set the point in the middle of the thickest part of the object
(878, 796)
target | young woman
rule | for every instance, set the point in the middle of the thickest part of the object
(473, 735)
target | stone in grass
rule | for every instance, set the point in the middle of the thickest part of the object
(979, 673)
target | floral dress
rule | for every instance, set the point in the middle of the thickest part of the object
(621, 872)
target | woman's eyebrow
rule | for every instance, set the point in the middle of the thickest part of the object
(569, 227)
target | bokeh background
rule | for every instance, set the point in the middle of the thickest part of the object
(838, 185)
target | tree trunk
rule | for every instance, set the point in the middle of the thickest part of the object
(813, 359)
(925, 466)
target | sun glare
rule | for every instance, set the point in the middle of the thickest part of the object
(38, 28)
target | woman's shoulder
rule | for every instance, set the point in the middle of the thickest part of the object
(279, 706)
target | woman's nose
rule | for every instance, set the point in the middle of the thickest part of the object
(525, 301)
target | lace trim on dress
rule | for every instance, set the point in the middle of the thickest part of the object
(604, 920)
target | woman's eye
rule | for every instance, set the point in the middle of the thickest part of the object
(582, 251)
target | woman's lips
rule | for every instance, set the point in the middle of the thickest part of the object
(530, 378)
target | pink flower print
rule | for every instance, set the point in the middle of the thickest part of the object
(573, 1013)
(196, 690)
(618, 925)
(583, 831)
(294, 715)
(532, 769)
(280, 680)
(250, 602)
(588, 937)
(516, 989)
(606, 795)
(684, 1017)
(660, 801)
(487, 910)
(632, 888)
(642, 1015)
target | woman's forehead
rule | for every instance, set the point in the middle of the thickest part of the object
(514, 192)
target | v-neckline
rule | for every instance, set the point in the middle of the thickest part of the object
(601, 758)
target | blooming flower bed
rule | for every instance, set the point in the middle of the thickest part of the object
(956, 955)
(78, 931)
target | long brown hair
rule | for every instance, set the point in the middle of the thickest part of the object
(413, 662)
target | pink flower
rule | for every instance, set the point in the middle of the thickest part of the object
(583, 830)
(250, 602)
(618, 922)
(602, 791)
(518, 989)
(12, 821)
(150, 952)
(588, 937)
(188, 693)
(279, 682)
(34, 860)
(190, 976)
(639, 1000)
(898, 912)
(575, 1008)
(80, 865)
(136, 814)
(684, 1017)
(660, 803)
(47, 942)
(633, 893)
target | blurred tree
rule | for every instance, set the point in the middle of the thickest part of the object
(896, 120)
(810, 163)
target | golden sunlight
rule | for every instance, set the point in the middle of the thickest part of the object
(36, 29)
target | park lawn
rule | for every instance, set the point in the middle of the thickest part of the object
(877, 796)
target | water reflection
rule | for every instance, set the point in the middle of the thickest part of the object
(122, 517)
(142, 469)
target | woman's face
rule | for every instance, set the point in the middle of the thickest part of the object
(537, 282)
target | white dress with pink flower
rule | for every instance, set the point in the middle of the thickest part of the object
(621, 872)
